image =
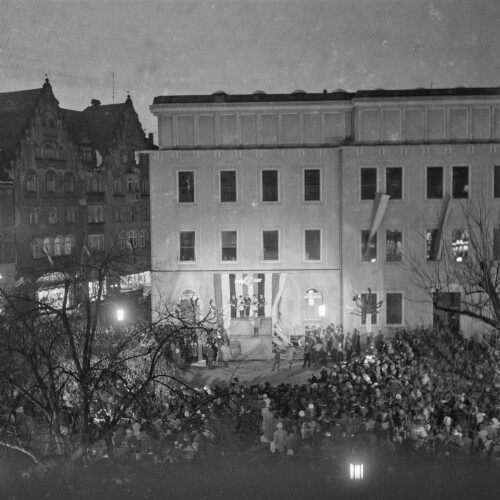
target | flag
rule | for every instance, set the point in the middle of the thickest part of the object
(49, 258)
(379, 208)
(86, 250)
(20, 281)
(438, 242)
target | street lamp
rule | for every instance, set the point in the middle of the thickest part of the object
(120, 314)
(356, 471)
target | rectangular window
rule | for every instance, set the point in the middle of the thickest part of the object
(394, 308)
(368, 246)
(95, 213)
(496, 181)
(52, 215)
(229, 245)
(460, 245)
(117, 185)
(95, 185)
(431, 243)
(312, 185)
(393, 245)
(187, 246)
(33, 216)
(186, 187)
(270, 185)
(460, 182)
(228, 186)
(313, 244)
(85, 152)
(70, 215)
(496, 243)
(132, 184)
(434, 183)
(394, 182)
(145, 213)
(96, 241)
(270, 242)
(368, 183)
(369, 306)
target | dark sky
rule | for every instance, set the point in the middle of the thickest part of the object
(200, 46)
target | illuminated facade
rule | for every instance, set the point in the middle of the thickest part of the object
(314, 195)
(77, 185)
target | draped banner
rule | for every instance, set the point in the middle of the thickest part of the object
(264, 286)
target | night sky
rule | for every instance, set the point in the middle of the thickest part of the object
(200, 46)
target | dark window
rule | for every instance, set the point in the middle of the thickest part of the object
(228, 186)
(496, 181)
(312, 186)
(269, 185)
(460, 182)
(394, 245)
(85, 152)
(187, 246)
(431, 244)
(186, 187)
(434, 182)
(270, 241)
(368, 247)
(368, 183)
(313, 244)
(69, 182)
(369, 306)
(496, 243)
(394, 308)
(228, 243)
(394, 182)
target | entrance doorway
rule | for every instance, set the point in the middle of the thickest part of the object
(447, 310)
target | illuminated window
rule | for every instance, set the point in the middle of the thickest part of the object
(58, 245)
(368, 246)
(36, 248)
(186, 187)
(33, 216)
(460, 245)
(229, 245)
(96, 241)
(132, 238)
(142, 238)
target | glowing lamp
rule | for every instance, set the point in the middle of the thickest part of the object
(120, 314)
(322, 310)
(356, 471)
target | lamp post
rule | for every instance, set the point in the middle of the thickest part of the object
(120, 314)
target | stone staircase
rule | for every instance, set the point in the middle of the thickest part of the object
(244, 345)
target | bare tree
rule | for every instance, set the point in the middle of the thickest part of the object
(469, 266)
(63, 364)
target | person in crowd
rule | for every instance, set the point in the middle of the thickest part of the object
(248, 304)
(277, 358)
(262, 306)
(279, 439)
(241, 306)
(307, 355)
(290, 355)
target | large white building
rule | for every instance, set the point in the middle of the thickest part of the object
(309, 199)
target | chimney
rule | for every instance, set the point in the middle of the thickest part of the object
(95, 102)
(151, 137)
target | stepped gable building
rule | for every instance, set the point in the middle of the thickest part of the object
(70, 172)
(310, 199)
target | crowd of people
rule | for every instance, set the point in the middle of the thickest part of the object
(420, 392)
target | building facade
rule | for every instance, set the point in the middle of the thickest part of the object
(311, 199)
(65, 167)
